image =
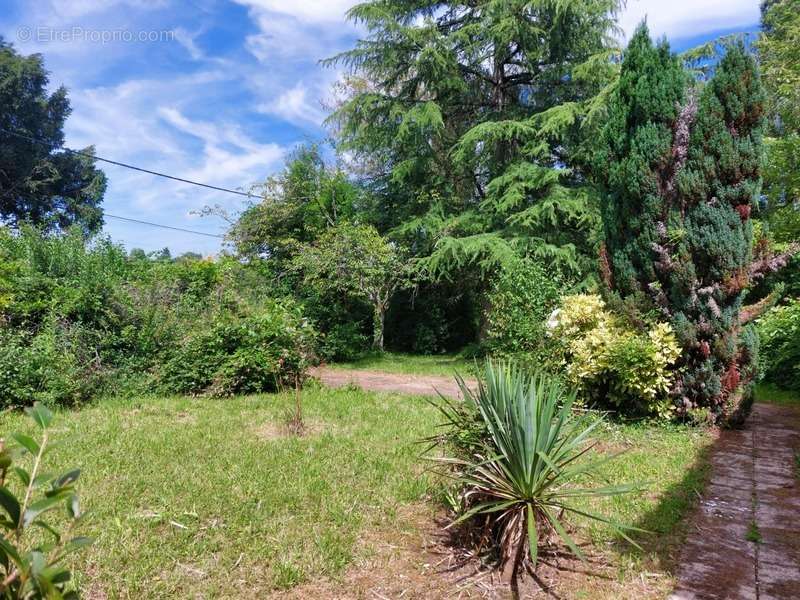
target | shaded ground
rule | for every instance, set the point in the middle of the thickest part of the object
(745, 542)
(378, 381)
(420, 560)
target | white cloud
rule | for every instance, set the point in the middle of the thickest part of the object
(187, 40)
(307, 11)
(686, 18)
(296, 105)
(143, 122)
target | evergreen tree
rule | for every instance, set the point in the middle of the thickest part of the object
(39, 183)
(681, 172)
(779, 56)
(469, 120)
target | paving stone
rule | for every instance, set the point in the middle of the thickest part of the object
(779, 517)
(778, 581)
(780, 554)
(718, 561)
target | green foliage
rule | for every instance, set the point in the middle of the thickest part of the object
(40, 184)
(295, 208)
(31, 565)
(463, 119)
(780, 66)
(79, 319)
(53, 366)
(610, 361)
(356, 261)
(265, 349)
(782, 182)
(518, 445)
(780, 58)
(521, 299)
(681, 174)
(780, 340)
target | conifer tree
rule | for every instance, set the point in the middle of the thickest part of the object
(471, 118)
(681, 175)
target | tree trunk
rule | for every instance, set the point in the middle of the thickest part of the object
(378, 322)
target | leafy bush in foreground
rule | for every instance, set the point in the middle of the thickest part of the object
(31, 568)
(780, 341)
(517, 446)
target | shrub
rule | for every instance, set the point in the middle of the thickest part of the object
(80, 318)
(344, 341)
(31, 567)
(680, 168)
(256, 351)
(52, 366)
(520, 301)
(609, 360)
(780, 342)
(517, 446)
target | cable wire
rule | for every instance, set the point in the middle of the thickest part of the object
(214, 235)
(127, 166)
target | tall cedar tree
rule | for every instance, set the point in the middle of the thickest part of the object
(470, 117)
(39, 183)
(779, 58)
(681, 172)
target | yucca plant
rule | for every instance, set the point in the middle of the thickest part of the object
(520, 460)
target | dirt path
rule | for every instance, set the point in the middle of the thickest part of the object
(378, 381)
(746, 540)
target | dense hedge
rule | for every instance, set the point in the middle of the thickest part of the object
(81, 319)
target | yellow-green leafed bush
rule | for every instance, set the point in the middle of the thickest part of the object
(610, 361)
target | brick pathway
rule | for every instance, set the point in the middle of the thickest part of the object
(753, 494)
(376, 381)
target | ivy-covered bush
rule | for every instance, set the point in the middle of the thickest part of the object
(258, 350)
(520, 301)
(780, 342)
(611, 362)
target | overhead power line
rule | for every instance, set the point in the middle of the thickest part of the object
(127, 166)
(214, 235)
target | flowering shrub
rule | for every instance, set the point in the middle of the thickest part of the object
(609, 361)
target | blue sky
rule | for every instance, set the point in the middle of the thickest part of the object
(219, 91)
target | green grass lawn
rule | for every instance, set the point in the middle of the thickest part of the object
(412, 364)
(775, 395)
(201, 497)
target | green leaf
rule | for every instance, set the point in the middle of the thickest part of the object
(564, 535)
(48, 529)
(26, 442)
(66, 480)
(40, 414)
(23, 475)
(77, 543)
(533, 536)
(42, 506)
(11, 552)
(10, 503)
